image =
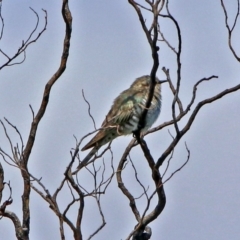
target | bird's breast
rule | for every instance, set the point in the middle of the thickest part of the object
(131, 124)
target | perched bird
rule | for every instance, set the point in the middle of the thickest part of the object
(123, 117)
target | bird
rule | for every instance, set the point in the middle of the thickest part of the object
(124, 115)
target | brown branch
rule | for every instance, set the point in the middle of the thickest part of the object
(169, 160)
(1, 181)
(2, 20)
(142, 21)
(143, 7)
(68, 24)
(121, 185)
(180, 106)
(33, 115)
(4, 155)
(104, 183)
(19, 231)
(20, 137)
(30, 142)
(146, 231)
(144, 220)
(154, 48)
(165, 40)
(160, 191)
(191, 119)
(77, 229)
(97, 198)
(53, 205)
(9, 139)
(89, 109)
(178, 65)
(230, 30)
(96, 193)
(188, 108)
(9, 200)
(25, 44)
(76, 150)
(139, 182)
(180, 168)
(179, 133)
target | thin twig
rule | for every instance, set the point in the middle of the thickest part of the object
(25, 44)
(230, 30)
(89, 109)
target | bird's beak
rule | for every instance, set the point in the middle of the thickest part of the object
(161, 81)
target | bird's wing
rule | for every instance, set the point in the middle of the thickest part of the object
(122, 109)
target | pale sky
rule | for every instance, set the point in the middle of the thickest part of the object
(108, 51)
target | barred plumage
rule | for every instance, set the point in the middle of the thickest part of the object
(124, 114)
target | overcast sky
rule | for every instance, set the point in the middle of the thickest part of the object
(108, 51)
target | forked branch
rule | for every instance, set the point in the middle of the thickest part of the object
(25, 44)
(231, 29)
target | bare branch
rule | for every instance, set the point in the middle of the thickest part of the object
(33, 115)
(165, 40)
(25, 44)
(195, 90)
(9, 139)
(169, 160)
(121, 185)
(1, 181)
(89, 110)
(102, 217)
(19, 231)
(9, 200)
(2, 20)
(68, 24)
(19, 135)
(180, 168)
(138, 10)
(231, 29)
(191, 119)
(155, 173)
(31, 139)
(166, 71)
(178, 65)
(188, 108)
(139, 182)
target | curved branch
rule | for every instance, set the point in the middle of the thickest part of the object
(121, 185)
(66, 46)
(190, 121)
(178, 65)
(156, 176)
(2, 20)
(25, 44)
(19, 231)
(188, 108)
(31, 138)
(230, 30)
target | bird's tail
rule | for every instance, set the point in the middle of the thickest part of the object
(87, 158)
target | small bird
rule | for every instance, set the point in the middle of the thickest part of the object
(123, 117)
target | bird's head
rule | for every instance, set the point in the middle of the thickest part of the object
(144, 82)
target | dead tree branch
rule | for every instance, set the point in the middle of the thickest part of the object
(176, 116)
(25, 44)
(2, 20)
(231, 29)
(21, 156)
